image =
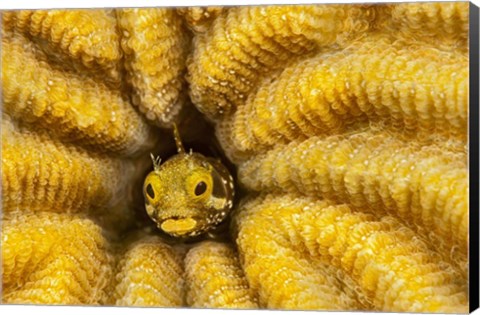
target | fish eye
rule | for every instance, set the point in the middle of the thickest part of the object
(150, 191)
(200, 188)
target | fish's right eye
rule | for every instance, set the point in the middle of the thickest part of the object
(150, 192)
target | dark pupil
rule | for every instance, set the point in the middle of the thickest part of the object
(150, 191)
(201, 188)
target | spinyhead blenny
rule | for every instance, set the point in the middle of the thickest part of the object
(189, 194)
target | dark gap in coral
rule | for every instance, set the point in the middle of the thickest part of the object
(198, 135)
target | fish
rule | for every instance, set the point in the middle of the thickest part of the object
(189, 194)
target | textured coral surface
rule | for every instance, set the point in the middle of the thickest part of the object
(346, 125)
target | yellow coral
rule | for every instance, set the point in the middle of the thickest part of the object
(72, 108)
(41, 174)
(50, 258)
(150, 273)
(215, 279)
(283, 274)
(426, 186)
(365, 105)
(247, 43)
(199, 19)
(93, 41)
(438, 17)
(392, 266)
(155, 45)
(377, 78)
(444, 24)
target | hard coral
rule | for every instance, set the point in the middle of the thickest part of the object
(40, 173)
(94, 43)
(150, 273)
(199, 19)
(246, 43)
(155, 44)
(215, 278)
(376, 79)
(347, 125)
(367, 111)
(53, 258)
(71, 106)
(395, 270)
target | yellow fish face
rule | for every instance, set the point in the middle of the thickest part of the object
(188, 195)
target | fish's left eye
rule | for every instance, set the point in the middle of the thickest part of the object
(200, 188)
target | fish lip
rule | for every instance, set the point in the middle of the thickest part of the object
(179, 225)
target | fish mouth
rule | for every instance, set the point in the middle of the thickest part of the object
(179, 226)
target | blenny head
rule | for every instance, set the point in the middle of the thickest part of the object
(189, 194)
